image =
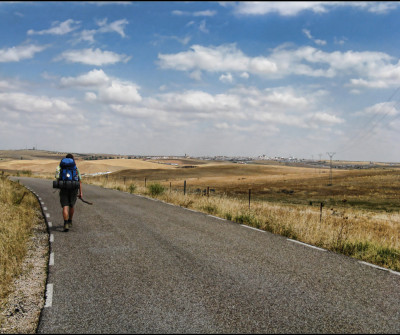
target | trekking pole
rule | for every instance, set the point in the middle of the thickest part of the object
(85, 201)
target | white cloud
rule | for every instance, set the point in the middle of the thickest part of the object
(245, 75)
(208, 13)
(224, 58)
(116, 26)
(94, 78)
(196, 101)
(384, 109)
(293, 8)
(119, 93)
(326, 118)
(205, 13)
(95, 57)
(309, 36)
(202, 27)
(88, 35)
(258, 109)
(16, 54)
(226, 78)
(58, 28)
(22, 102)
(286, 8)
(374, 67)
(109, 90)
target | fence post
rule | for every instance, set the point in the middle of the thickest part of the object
(249, 197)
(170, 187)
(320, 216)
(208, 191)
(145, 180)
(184, 187)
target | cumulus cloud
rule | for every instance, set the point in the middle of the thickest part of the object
(109, 90)
(326, 118)
(91, 56)
(57, 28)
(226, 78)
(290, 8)
(224, 58)
(120, 93)
(94, 78)
(384, 109)
(22, 102)
(283, 61)
(379, 75)
(18, 53)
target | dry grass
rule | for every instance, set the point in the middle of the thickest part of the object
(362, 229)
(19, 213)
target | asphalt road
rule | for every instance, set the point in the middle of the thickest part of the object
(134, 265)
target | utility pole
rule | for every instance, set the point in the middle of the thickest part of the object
(319, 163)
(330, 154)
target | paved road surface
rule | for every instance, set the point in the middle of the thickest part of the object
(135, 265)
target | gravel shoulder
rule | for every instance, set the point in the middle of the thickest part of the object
(21, 313)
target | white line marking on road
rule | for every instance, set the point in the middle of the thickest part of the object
(47, 215)
(51, 260)
(216, 217)
(42, 203)
(51, 238)
(49, 295)
(261, 231)
(45, 208)
(379, 268)
(305, 244)
(192, 210)
(49, 224)
(39, 198)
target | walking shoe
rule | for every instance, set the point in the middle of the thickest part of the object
(66, 227)
(70, 223)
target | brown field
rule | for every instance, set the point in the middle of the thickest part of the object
(372, 189)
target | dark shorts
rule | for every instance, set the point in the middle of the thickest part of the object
(68, 197)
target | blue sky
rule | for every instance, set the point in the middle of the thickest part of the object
(202, 78)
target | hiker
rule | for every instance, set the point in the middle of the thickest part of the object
(67, 170)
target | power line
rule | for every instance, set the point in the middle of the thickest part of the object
(363, 133)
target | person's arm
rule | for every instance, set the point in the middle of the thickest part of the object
(80, 183)
(58, 172)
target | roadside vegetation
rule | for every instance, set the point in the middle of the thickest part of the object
(20, 213)
(358, 215)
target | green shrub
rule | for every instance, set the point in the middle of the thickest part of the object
(248, 219)
(132, 188)
(156, 189)
(228, 216)
(210, 209)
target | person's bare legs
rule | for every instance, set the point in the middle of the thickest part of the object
(68, 213)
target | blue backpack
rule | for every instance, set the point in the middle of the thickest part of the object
(69, 170)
